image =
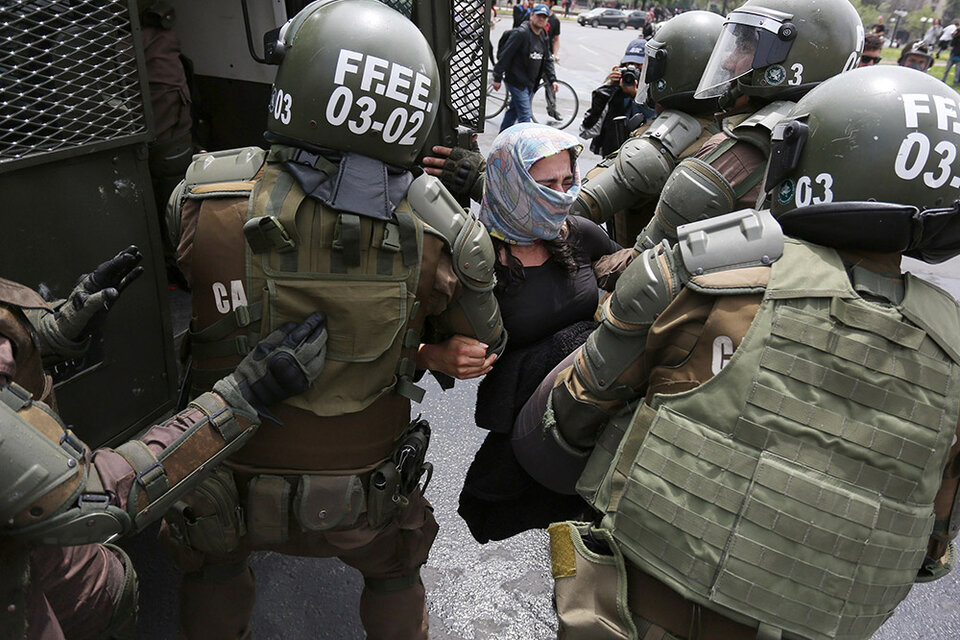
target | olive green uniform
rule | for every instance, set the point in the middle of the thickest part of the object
(630, 221)
(780, 458)
(386, 283)
(62, 493)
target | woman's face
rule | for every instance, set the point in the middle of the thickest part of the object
(555, 172)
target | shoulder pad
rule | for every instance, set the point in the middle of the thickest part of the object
(746, 238)
(641, 166)
(219, 174)
(756, 129)
(768, 116)
(694, 191)
(675, 130)
(466, 237)
(18, 295)
(36, 470)
(232, 165)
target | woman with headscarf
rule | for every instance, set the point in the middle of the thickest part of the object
(548, 294)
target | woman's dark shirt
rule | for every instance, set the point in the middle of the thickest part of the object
(550, 298)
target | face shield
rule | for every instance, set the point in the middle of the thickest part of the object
(748, 41)
(655, 66)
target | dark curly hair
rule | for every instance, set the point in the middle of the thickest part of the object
(510, 275)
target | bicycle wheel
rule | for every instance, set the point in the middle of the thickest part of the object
(496, 100)
(568, 104)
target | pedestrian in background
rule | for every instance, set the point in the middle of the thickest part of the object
(946, 36)
(954, 57)
(521, 12)
(932, 36)
(872, 46)
(524, 59)
(553, 32)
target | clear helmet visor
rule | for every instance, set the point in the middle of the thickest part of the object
(655, 66)
(748, 41)
(732, 58)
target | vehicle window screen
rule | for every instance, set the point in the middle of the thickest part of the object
(403, 6)
(466, 64)
(68, 78)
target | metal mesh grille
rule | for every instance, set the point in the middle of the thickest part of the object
(68, 76)
(466, 65)
(403, 6)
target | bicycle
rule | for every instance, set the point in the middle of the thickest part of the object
(568, 104)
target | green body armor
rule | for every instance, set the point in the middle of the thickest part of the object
(794, 490)
(363, 273)
(294, 255)
(696, 190)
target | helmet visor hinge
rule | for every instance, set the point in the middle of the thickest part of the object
(786, 144)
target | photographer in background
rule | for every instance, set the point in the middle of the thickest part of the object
(617, 96)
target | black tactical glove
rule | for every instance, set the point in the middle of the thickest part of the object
(462, 173)
(96, 292)
(282, 365)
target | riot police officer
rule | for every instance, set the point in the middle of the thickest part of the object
(781, 460)
(769, 53)
(329, 218)
(63, 500)
(626, 185)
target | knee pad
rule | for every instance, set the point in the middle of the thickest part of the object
(123, 623)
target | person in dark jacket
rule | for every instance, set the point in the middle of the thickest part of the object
(521, 12)
(524, 59)
(616, 97)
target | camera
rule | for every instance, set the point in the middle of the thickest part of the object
(629, 76)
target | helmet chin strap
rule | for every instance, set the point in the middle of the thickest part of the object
(936, 234)
(728, 100)
(931, 235)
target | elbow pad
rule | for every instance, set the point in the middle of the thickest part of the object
(641, 168)
(81, 509)
(694, 191)
(472, 252)
(44, 477)
(644, 290)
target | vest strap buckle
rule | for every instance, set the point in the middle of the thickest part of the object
(265, 234)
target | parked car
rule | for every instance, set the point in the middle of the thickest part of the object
(609, 18)
(637, 19)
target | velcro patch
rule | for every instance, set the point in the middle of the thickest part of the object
(563, 560)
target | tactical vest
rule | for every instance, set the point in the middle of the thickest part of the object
(300, 256)
(794, 490)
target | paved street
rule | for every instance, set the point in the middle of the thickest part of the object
(498, 590)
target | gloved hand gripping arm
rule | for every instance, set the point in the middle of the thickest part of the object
(460, 170)
(110, 492)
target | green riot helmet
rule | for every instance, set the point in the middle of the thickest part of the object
(868, 161)
(779, 49)
(916, 55)
(355, 75)
(676, 57)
